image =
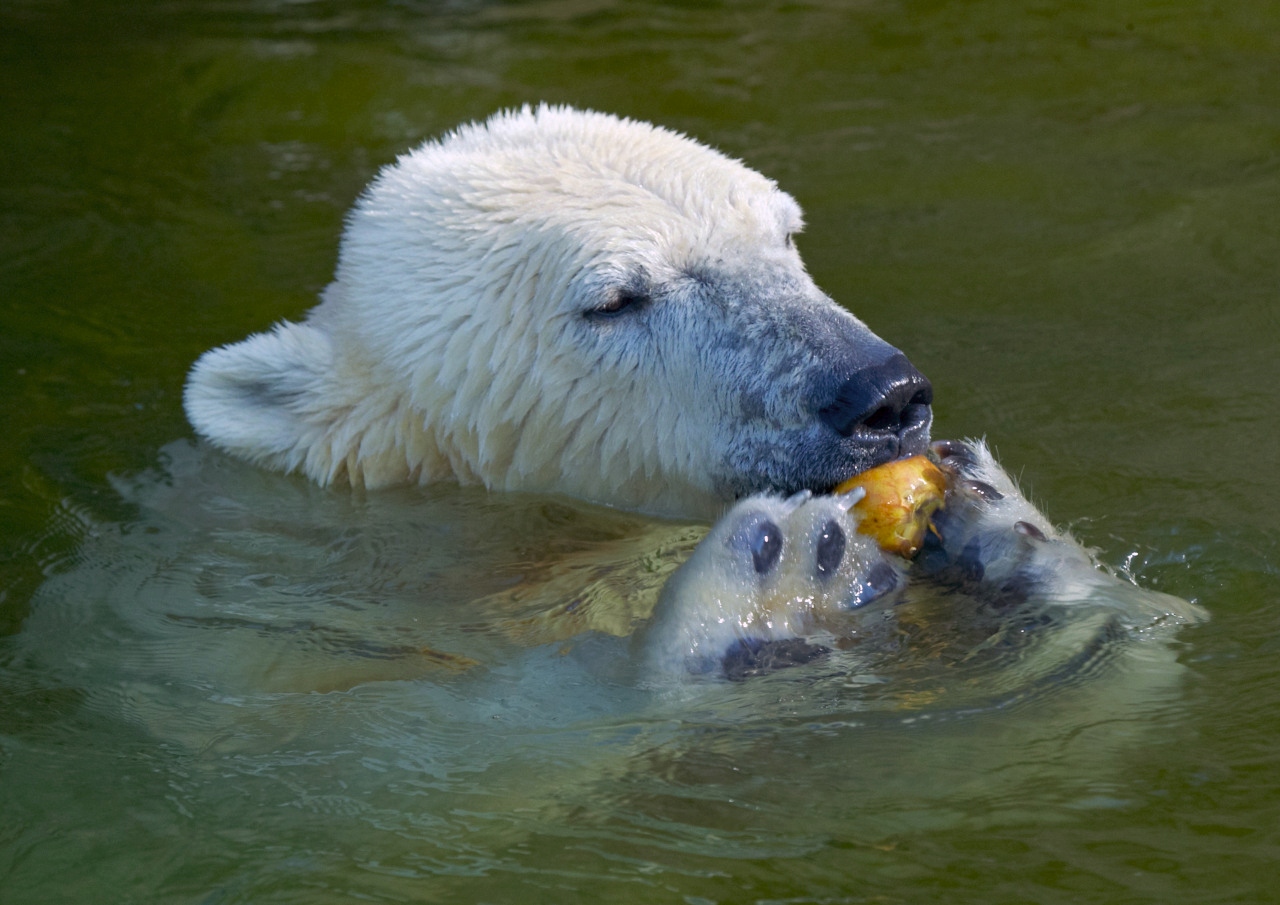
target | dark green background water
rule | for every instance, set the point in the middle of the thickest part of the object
(1068, 214)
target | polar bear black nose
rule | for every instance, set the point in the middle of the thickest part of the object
(888, 398)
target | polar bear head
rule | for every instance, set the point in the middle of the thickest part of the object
(562, 301)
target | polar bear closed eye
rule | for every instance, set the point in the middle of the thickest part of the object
(772, 572)
(562, 301)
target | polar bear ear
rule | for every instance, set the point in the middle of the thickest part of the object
(258, 398)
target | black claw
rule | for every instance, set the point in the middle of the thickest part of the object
(984, 490)
(955, 449)
(1026, 529)
(951, 467)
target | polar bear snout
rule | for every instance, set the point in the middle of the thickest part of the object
(882, 412)
(888, 404)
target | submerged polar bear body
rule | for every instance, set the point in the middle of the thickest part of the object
(562, 301)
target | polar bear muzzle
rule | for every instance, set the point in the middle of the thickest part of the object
(862, 404)
(891, 399)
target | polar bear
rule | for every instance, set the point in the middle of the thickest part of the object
(556, 300)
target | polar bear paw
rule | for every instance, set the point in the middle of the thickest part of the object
(990, 539)
(767, 585)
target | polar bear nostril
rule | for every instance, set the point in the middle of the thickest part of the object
(884, 419)
(888, 398)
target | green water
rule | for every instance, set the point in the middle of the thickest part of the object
(1068, 214)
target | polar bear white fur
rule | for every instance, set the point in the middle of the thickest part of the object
(562, 301)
